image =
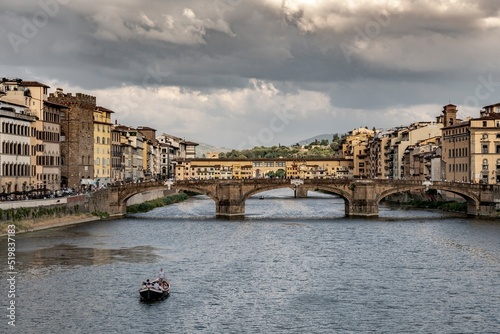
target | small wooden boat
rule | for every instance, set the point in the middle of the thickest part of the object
(149, 292)
(261, 197)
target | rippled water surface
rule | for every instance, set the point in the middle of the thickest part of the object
(292, 266)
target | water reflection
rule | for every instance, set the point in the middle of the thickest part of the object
(67, 255)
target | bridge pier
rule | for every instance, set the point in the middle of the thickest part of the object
(363, 202)
(361, 208)
(300, 192)
(230, 209)
(483, 209)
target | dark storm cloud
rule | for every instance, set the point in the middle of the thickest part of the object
(365, 55)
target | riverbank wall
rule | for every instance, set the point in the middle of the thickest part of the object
(32, 215)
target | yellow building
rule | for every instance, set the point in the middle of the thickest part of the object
(485, 146)
(471, 149)
(102, 145)
(206, 169)
(355, 147)
(45, 155)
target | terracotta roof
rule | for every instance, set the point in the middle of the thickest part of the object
(489, 116)
(189, 143)
(13, 104)
(457, 125)
(492, 105)
(145, 128)
(33, 84)
(55, 104)
(99, 108)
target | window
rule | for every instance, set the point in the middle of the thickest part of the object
(485, 164)
(485, 124)
(484, 148)
(485, 136)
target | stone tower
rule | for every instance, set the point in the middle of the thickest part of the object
(77, 138)
(450, 115)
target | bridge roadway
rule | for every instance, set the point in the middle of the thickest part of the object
(361, 197)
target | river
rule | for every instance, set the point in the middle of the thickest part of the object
(291, 266)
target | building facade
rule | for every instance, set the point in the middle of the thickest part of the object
(206, 169)
(485, 146)
(102, 146)
(77, 138)
(15, 155)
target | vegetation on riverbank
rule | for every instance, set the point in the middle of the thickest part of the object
(34, 224)
(18, 214)
(150, 205)
(441, 205)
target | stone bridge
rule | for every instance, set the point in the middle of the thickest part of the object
(361, 197)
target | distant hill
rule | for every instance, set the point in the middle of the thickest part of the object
(203, 149)
(312, 139)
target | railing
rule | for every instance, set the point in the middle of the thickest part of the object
(450, 185)
(446, 184)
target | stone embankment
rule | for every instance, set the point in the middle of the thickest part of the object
(35, 215)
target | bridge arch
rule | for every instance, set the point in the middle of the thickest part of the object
(252, 192)
(201, 191)
(331, 189)
(472, 199)
(126, 193)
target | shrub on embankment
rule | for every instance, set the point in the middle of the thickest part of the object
(41, 212)
(150, 205)
(441, 205)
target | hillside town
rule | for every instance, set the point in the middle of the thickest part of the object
(54, 142)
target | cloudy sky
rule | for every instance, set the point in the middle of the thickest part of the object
(241, 73)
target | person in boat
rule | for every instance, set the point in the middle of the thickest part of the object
(147, 282)
(157, 286)
(161, 276)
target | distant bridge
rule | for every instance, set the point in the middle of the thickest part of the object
(361, 197)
